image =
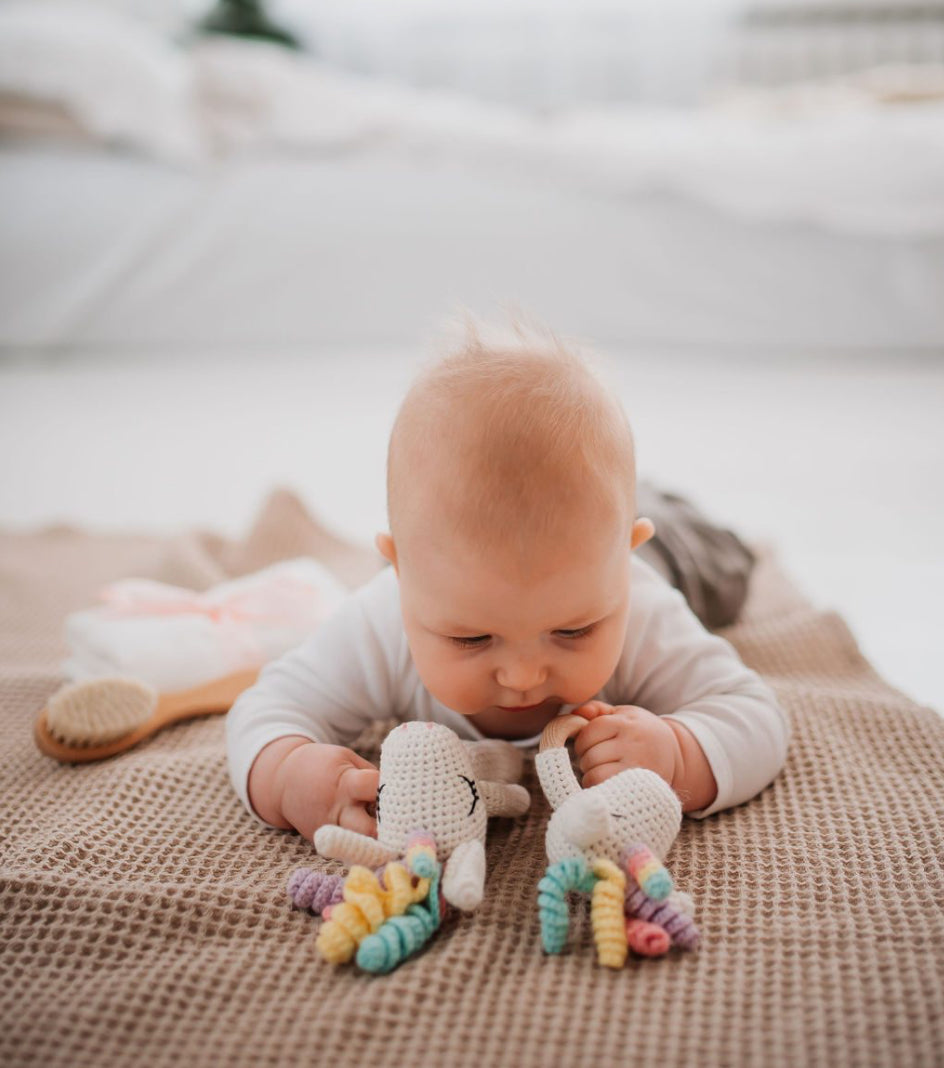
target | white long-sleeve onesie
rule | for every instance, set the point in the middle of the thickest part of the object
(357, 668)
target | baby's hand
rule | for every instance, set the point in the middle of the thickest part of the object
(625, 736)
(328, 784)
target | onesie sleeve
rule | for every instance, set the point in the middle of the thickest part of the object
(673, 666)
(328, 689)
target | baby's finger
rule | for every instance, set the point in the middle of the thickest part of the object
(600, 773)
(606, 752)
(360, 762)
(356, 818)
(596, 731)
(592, 709)
(360, 784)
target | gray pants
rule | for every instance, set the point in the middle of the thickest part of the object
(711, 566)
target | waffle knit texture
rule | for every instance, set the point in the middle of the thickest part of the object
(144, 920)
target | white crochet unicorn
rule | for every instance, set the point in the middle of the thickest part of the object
(610, 840)
(432, 781)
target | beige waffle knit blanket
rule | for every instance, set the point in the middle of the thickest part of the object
(144, 920)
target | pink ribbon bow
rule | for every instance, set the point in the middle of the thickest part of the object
(277, 600)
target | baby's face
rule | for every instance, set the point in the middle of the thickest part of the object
(508, 648)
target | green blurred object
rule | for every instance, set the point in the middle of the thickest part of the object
(246, 18)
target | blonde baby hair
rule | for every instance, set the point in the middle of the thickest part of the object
(510, 438)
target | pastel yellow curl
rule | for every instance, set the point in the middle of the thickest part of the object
(367, 904)
(606, 914)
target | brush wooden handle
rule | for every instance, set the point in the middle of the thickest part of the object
(215, 696)
(218, 695)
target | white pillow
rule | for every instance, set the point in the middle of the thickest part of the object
(123, 83)
(171, 18)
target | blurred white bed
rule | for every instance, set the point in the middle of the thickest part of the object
(220, 265)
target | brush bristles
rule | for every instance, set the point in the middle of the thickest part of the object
(99, 710)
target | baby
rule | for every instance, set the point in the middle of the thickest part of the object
(514, 594)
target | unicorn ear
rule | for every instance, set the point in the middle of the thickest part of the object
(350, 847)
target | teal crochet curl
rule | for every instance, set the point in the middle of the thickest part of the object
(561, 878)
(400, 937)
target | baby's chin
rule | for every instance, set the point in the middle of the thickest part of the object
(501, 723)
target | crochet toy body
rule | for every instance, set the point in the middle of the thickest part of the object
(609, 841)
(432, 781)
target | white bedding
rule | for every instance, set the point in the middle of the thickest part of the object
(272, 203)
(107, 252)
(846, 155)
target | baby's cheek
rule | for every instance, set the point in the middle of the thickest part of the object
(451, 682)
(595, 670)
(464, 693)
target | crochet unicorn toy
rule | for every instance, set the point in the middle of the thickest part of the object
(610, 841)
(432, 781)
(435, 795)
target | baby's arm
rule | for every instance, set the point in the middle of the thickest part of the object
(287, 736)
(695, 782)
(693, 683)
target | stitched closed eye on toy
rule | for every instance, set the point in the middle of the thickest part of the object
(432, 780)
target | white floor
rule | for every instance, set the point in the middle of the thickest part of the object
(838, 461)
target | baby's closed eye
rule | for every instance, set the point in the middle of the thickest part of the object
(475, 642)
(580, 632)
(478, 641)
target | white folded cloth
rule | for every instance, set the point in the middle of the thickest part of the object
(174, 638)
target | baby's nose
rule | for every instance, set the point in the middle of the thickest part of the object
(521, 674)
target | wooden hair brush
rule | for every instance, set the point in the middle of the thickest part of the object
(91, 720)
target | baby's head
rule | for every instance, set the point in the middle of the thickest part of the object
(511, 498)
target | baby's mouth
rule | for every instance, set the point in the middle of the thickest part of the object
(517, 721)
(548, 703)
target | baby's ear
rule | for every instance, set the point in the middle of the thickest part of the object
(643, 530)
(386, 548)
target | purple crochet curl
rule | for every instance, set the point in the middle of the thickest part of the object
(315, 890)
(680, 928)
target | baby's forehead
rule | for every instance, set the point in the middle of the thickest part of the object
(560, 583)
(505, 445)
